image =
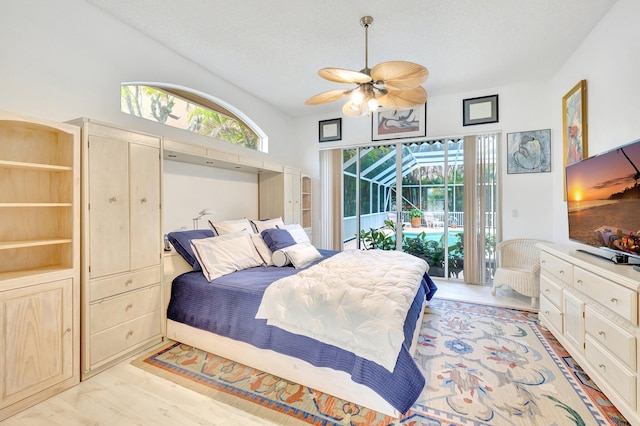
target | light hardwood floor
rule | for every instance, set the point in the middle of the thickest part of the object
(127, 395)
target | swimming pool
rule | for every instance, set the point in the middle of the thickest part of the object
(434, 236)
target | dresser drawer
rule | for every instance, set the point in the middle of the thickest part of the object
(124, 336)
(556, 268)
(99, 289)
(108, 313)
(551, 290)
(611, 336)
(615, 373)
(620, 300)
(550, 313)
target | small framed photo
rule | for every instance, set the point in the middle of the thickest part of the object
(529, 152)
(399, 123)
(480, 110)
(330, 130)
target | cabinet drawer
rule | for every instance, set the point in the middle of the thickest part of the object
(99, 289)
(551, 313)
(111, 312)
(611, 336)
(551, 290)
(118, 339)
(556, 267)
(620, 300)
(616, 374)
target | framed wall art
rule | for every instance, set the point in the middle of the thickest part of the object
(529, 152)
(480, 110)
(330, 130)
(399, 123)
(574, 124)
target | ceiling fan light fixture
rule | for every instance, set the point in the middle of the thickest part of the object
(394, 84)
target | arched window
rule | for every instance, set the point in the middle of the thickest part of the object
(193, 111)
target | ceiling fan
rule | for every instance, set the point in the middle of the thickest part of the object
(393, 85)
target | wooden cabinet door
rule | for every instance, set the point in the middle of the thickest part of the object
(145, 229)
(291, 197)
(574, 321)
(108, 206)
(37, 350)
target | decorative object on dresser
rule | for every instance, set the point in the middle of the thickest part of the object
(519, 267)
(122, 244)
(39, 260)
(591, 307)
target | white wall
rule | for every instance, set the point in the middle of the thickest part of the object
(609, 59)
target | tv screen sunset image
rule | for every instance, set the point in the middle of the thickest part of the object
(603, 199)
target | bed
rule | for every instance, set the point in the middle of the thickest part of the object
(219, 316)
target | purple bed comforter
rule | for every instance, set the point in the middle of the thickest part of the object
(227, 306)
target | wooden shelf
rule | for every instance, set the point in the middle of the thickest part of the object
(33, 166)
(6, 245)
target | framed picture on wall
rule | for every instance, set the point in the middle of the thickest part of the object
(399, 123)
(529, 152)
(330, 130)
(574, 124)
(480, 110)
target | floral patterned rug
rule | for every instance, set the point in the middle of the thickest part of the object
(484, 365)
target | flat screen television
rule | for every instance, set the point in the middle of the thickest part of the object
(603, 203)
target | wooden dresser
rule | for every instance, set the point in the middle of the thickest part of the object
(591, 307)
(122, 244)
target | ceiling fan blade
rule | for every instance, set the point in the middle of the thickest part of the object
(341, 75)
(330, 96)
(352, 110)
(403, 99)
(399, 75)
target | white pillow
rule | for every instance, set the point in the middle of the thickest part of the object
(223, 227)
(261, 225)
(297, 233)
(263, 249)
(300, 255)
(225, 254)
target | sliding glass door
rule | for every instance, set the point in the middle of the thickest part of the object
(411, 197)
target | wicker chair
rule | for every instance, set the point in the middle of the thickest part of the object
(519, 267)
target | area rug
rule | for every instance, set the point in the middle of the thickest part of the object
(484, 365)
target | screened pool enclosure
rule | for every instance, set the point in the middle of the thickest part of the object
(414, 197)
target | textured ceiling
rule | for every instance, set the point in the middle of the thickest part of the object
(273, 49)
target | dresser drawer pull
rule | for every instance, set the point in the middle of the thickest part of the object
(546, 290)
(546, 312)
(67, 331)
(603, 334)
(614, 300)
(561, 272)
(603, 367)
(113, 199)
(579, 282)
(129, 334)
(543, 261)
(130, 305)
(128, 282)
(143, 200)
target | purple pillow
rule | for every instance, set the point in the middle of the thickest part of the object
(277, 239)
(181, 241)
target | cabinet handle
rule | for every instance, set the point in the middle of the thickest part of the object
(129, 306)
(543, 261)
(546, 312)
(144, 200)
(113, 199)
(546, 290)
(579, 282)
(128, 282)
(603, 367)
(67, 331)
(129, 334)
(614, 300)
(561, 272)
(602, 333)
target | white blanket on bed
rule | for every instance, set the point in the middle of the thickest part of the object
(356, 300)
